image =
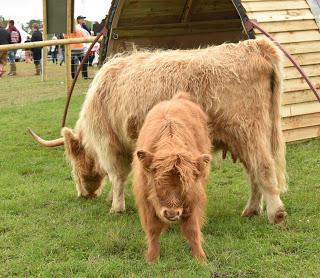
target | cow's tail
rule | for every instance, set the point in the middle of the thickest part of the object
(273, 55)
(278, 146)
(277, 140)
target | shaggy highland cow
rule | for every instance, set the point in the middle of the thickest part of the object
(170, 169)
(237, 85)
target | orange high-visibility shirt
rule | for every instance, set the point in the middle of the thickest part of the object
(77, 33)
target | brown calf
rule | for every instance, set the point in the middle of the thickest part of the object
(171, 167)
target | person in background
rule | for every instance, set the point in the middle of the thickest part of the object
(62, 50)
(93, 53)
(36, 52)
(28, 52)
(15, 38)
(5, 38)
(77, 52)
(54, 51)
(82, 23)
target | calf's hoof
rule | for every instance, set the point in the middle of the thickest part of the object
(200, 256)
(278, 217)
(151, 256)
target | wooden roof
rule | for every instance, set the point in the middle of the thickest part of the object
(173, 23)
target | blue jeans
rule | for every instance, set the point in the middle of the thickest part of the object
(12, 56)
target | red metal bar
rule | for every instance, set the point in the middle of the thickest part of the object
(250, 24)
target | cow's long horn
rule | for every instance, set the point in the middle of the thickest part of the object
(51, 143)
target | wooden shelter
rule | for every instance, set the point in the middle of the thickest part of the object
(173, 23)
(197, 23)
(294, 25)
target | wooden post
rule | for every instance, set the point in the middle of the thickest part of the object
(67, 47)
(45, 37)
(8, 47)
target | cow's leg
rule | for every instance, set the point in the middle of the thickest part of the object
(261, 166)
(192, 230)
(118, 167)
(110, 194)
(153, 227)
(255, 204)
(153, 231)
(118, 199)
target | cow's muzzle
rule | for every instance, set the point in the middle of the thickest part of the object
(171, 214)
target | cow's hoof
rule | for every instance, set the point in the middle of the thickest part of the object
(250, 211)
(278, 217)
(117, 210)
(98, 192)
(110, 196)
(88, 196)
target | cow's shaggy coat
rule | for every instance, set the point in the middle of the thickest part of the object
(237, 85)
(171, 167)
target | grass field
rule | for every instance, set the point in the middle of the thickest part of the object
(46, 231)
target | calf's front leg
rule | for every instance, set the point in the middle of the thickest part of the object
(192, 231)
(153, 228)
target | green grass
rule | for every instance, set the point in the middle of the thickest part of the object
(45, 230)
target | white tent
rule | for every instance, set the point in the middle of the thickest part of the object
(23, 33)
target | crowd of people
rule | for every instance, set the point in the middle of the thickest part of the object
(8, 36)
(11, 35)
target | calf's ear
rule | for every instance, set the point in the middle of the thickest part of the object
(202, 161)
(72, 142)
(145, 157)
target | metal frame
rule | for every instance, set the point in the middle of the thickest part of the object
(186, 10)
(250, 24)
(315, 9)
(244, 18)
(111, 14)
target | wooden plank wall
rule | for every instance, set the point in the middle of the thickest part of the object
(292, 23)
(174, 24)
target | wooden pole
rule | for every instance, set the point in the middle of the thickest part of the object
(7, 47)
(45, 37)
(67, 47)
